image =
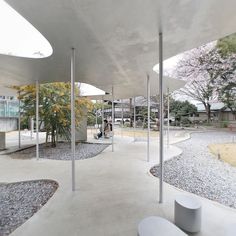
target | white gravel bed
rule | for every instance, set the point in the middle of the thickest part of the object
(19, 201)
(62, 151)
(197, 171)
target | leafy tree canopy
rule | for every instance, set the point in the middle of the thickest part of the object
(227, 45)
(226, 82)
(54, 107)
(180, 109)
(210, 72)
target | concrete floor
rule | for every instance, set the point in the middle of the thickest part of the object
(27, 139)
(114, 192)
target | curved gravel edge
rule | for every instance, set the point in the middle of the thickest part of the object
(21, 200)
(199, 172)
(62, 151)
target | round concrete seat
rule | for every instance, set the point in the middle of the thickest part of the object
(157, 226)
(188, 213)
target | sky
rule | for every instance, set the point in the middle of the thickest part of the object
(19, 37)
(89, 90)
(169, 64)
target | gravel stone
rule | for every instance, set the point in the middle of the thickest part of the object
(63, 151)
(198, 171)
(19, 201)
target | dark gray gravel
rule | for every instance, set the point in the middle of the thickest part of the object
(197, 171)
(62, 151)
(19, 201)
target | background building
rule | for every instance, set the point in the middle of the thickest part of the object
(9, 110)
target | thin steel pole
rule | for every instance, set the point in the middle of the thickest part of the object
(37, 119)
(96, 120)
(148, 119)
(161, 117)
(73, 116)
(113, 119)
(103, 117)
(19, 121)
(32, 127)
(134, 120)
(96, 116)
(122, 117)
(168, 117)
(5, 108)
(8, 110)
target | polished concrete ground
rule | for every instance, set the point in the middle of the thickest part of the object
(114, 191)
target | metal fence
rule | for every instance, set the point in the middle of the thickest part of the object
(9, 108)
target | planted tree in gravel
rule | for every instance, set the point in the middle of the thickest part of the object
(54, 108)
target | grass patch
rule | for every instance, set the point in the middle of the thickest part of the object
(226, 152)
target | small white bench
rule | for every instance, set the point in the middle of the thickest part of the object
(157, 226)
(188, 212)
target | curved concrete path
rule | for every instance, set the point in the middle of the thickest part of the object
(114, 192)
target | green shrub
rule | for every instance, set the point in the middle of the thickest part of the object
(224, 124)
(185, 121)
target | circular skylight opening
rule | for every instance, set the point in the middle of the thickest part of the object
(20, 38)
(89, 90)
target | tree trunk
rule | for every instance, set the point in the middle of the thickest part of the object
(40, 125)
(53, 141)
(56, 136)
(47, 137)
(208, 111)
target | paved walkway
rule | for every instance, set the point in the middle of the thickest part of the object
(27, 139)
(114, 191)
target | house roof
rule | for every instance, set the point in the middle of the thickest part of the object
(215, 106)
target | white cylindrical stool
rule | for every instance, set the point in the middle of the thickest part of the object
(188, 213)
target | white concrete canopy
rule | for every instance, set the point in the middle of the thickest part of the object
(140, 89)
(7, 91)
(116, 41)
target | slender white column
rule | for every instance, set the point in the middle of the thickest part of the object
(102, 117)
(161, 118)
(37, 119)
(73, 116)
(122, 117)
(134, 120)
(112, 119)
(148, 118)
(96, 116)
(168, 117)
(19, 121)
(5, 108)
(31, 127)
